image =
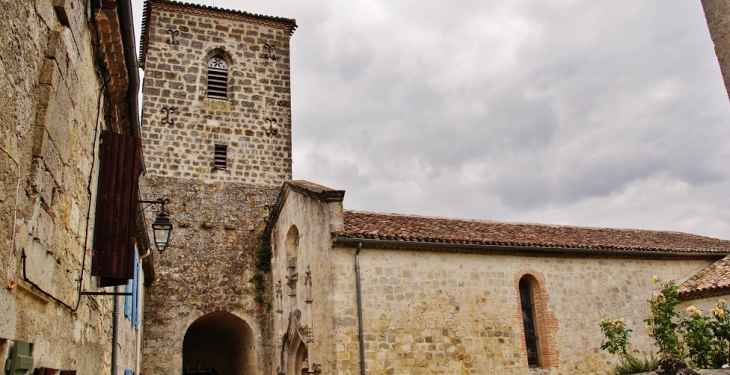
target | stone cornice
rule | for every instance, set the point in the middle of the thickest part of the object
(208, 11)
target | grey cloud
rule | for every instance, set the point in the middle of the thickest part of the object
(524, 110)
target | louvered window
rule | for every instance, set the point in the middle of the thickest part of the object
(217, 78)
(220, 157)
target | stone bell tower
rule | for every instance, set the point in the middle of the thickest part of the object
(216, 120)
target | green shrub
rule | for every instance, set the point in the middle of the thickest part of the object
(701, 341)
(617, 336)
(263, 266)
(631, 365)
(664, 319)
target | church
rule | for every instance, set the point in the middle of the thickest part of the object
(265, 274)
(276, 276)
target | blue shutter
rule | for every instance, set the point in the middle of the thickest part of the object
(135, 291)
(128, 300)
(127, 372)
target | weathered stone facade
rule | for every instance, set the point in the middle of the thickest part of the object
(468, 316)
(449, 309)
(305, 294)
(54, 58)
(202, 305)
(182, 125)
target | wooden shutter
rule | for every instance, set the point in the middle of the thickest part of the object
(115, 228)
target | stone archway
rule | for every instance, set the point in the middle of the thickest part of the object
(295, 357)
(221, 343)
(297, 362)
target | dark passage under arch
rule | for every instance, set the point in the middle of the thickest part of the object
(219, 343)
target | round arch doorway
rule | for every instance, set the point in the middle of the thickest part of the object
(219, 343)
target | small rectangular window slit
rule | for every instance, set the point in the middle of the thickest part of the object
(220, 157)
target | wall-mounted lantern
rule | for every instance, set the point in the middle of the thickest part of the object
(161, 227)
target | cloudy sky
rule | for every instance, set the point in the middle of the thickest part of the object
(596, 113)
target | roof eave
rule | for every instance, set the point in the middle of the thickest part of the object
(703, 293)
(559, 252)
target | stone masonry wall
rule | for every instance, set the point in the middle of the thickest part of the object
(218, 213)
(717, 13)
(206, 268)
(443, 313)
(311, 251)
(704, 304)
(182, 126)
(49, 101)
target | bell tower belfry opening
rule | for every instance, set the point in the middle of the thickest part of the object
(216, 129)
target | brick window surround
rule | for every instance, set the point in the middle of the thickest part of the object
(546, 324)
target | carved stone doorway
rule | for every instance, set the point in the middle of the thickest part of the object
(221, 343)
(297, 362)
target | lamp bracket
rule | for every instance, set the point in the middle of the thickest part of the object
(159, 201)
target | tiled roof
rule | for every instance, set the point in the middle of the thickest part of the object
(205, 10)
(408, 228)
(711, 281)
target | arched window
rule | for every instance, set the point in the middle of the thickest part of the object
(217, 78)
(527, 301)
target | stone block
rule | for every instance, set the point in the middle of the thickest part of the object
(40, 137)
(39, 265)
(48, 74)
(53, 163)
(44, 11)
(42, 181)
(54, 47)
(60, 6)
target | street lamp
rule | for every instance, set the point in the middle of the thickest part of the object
(161, 227)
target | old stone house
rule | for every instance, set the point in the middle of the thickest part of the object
(68, 95)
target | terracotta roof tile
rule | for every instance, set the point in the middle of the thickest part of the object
(711, 281)
(369, 225)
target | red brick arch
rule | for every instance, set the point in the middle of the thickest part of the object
(547, 324)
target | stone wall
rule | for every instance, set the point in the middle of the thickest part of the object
(301, 243)
(704, 304)
(50, 120)
(218, 213)
(207, 267)
(717, 13)
(442, 313)
(182, 125)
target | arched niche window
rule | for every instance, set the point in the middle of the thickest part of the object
(527, 302)
(217, 78)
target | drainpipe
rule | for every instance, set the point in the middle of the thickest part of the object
(140, 307)
(124, 8)
(359, 308)
(115, 331)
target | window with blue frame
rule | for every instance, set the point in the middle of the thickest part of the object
(131, 302)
